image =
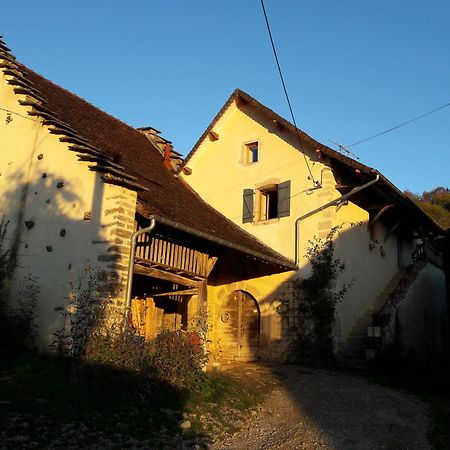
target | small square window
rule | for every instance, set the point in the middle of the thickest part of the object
(252, 153)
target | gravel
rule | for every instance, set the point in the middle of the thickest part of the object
(315, 409)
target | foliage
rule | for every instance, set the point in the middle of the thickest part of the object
(41, 408)
(315, 300)
(436, 203)
(81, 317)
(169, 359)
(17, 328)
(174, 356)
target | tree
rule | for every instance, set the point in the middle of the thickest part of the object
(436, 203)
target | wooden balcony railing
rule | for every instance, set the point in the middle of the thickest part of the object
(156, 252)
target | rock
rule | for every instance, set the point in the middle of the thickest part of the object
(186, 425)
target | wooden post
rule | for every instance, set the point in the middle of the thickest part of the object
(202, 306)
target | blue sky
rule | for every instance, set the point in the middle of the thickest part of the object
(352, 68)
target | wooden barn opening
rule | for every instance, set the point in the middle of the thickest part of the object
(169, 290)
(240, 327)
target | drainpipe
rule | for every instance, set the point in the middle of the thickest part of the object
(186, 229)
(334, 202)
(131, 265)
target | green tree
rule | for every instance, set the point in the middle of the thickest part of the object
(436, 203)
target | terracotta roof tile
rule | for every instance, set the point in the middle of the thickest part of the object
(165, 195)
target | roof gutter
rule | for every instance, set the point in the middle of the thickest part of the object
(178, 226)
(335, 202)
(220, 241)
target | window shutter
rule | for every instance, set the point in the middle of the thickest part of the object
(247, 213)
(284, 198)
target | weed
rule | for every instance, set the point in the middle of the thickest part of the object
(17, 327)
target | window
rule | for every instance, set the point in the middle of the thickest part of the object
(268, 202)
(252, 153)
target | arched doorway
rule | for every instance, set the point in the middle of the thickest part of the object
(240, 325)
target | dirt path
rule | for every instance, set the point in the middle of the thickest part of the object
(311, 409)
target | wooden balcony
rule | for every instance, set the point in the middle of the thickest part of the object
(161, 258)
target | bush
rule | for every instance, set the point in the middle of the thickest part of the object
(125, 360)
(17, 328)
(174, 357)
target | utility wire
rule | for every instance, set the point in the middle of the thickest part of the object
(17, 114)
(286, 92)
(397, 126)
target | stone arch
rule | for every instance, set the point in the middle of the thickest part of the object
(239, 326)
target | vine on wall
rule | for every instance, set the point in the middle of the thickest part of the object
(315, 301)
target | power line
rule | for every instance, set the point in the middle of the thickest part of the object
(17, 114)
(286, 92)
(397, 126)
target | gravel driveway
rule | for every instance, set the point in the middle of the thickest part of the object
(316, 409)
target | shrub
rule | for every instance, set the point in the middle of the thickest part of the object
(174, 357)
(17, 328)
(122, 359)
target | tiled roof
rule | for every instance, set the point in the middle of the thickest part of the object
(126, 157)
(384, 188)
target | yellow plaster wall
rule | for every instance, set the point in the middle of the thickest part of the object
(81, 227)
(270, 292)
(219, 175)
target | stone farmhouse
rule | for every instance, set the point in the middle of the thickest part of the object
(285, 188)
(102, 214)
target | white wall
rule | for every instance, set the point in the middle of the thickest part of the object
(32, 163)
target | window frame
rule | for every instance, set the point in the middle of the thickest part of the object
(267, 202)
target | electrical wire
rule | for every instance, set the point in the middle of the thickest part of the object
(17, 114)
(397, 126)
(286, 92)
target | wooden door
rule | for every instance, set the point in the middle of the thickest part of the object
(240, 327)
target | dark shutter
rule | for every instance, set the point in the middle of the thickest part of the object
(284, 199)
(247, 213)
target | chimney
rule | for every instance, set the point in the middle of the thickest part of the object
(167, 152)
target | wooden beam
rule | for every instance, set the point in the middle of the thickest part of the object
(378, 216)
(341, 204)
(391, 231)
(376, 206)
(192, 291)
(202, 305)
(278, 125)
(150, 263)
(213, 136)
(240, 101)
(210, 266)
(162, 275)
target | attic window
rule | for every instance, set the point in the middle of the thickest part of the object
(252, 153)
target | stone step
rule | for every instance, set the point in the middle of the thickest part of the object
(356, 340)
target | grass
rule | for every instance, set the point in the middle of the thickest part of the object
(41, 408)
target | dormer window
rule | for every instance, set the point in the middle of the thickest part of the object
(252, 153)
